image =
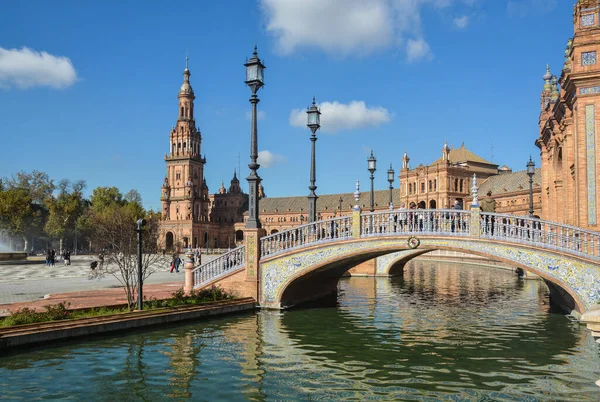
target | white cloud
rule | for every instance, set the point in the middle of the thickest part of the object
(266, 159)
(461, 22)
(349, 27)
(416, 50)
(26, 68)
(337, 116)
(260, 115)
(336, 26)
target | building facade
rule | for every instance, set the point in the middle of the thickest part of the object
(568, 139)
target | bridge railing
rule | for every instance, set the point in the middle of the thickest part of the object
(311, 233)
(450, 222)
(220, 266)
(541, 233)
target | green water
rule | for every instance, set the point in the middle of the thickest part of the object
(441, 332)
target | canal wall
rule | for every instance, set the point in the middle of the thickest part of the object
(45, 332)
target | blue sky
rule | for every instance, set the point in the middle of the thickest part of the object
(88, 90)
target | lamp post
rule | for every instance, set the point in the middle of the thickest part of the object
(254, 80)
(140, 225)
(341, 200)
(372, 168)
(391, 173)
(313, 123)
(530, 173)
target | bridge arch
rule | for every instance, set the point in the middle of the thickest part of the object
(302, 275)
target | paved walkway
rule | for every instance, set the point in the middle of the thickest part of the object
(35, 285)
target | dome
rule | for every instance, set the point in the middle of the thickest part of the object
(186, 88)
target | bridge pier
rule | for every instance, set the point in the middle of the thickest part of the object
(252, 281)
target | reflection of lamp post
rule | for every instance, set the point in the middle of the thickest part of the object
(254, 80)
(530, 173)
(391, 181)
(314, 122)
(372, 168)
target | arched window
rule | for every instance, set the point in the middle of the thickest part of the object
(461, 185)
(455, 184)
(181, 112)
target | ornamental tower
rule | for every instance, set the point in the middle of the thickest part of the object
(569, 137)
(184, 203)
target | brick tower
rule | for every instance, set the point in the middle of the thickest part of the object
(184, 196)
(569, 137)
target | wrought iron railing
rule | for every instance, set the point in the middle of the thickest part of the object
(450, 222)
(304, 235)
(220, 266)
(545, 234)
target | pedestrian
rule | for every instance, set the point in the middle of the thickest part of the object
(175, 263)
(68, 257)
(101, 258)
(52, 257)
(488, 204)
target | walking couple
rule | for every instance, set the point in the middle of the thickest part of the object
(175, 263)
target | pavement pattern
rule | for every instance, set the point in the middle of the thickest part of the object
(35, 282)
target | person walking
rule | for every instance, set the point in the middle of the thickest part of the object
(488, 204)
(175, 263)
(68, 257)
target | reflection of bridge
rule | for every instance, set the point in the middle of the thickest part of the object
(307, 261)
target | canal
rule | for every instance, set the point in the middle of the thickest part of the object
(443, 331)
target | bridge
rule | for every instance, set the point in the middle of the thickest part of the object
(306, 262)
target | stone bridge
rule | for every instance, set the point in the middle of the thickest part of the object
(306, 262)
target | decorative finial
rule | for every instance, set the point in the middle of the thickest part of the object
(357, 197)
(474, 192)
(255, 51)
(314, 100)
(186, 60)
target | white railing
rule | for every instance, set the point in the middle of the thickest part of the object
(220, 266)
(556, 236)
(450, 222)
(311, 233)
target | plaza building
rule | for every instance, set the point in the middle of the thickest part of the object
(568, 138)
(434, 185)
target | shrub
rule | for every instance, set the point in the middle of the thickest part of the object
(29, 316)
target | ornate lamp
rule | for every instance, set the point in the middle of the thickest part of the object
(254, 80)
(313, 123)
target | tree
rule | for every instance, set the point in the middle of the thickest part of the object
(64, 210)
(115, 233)
(16, 212)
(38, 185)
(103, 197)
(134, 196)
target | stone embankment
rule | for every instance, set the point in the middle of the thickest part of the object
(37, 333)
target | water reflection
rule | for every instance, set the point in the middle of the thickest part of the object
(440, 332)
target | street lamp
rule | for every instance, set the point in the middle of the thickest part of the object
(372, 168)
(391, 181)
(254, 80)
(140, 225)
(341, 200)
(530, 173)
(314, 122)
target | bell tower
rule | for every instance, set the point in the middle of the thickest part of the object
(569, 138)
(183, 203)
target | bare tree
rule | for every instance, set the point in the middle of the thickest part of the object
(115, 233)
